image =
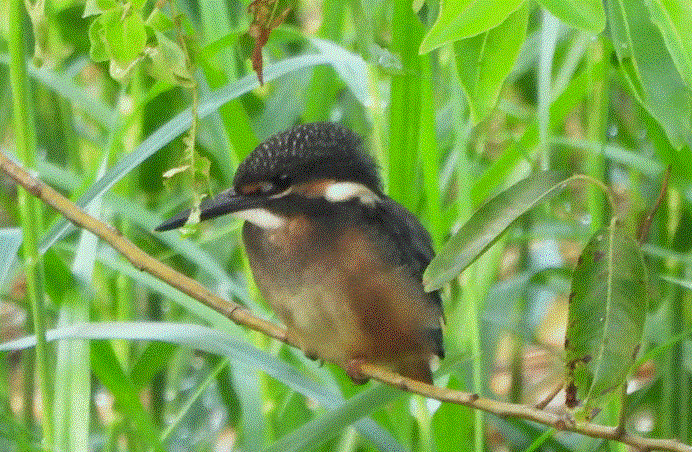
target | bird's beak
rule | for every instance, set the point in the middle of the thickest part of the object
(226, 202)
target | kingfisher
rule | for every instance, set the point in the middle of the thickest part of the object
(340, 262)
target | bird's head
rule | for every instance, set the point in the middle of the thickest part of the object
(299, 169)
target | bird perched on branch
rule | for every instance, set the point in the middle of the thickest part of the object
(339, 261)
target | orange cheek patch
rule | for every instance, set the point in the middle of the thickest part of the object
(250, 188)
(313, 189)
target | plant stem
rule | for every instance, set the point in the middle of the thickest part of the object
(29, 208)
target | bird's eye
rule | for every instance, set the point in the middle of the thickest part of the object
(281, 182)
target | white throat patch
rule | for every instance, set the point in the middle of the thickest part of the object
(260, 217)
(343, 191)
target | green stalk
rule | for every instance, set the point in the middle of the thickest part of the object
(597, 114)
(29, 208)
(545, 65)
(469, 310)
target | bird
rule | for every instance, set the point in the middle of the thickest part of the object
(340, 262)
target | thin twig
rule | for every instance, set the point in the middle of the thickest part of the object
(622, 417)
(239, 315)
(646, 224)
(136, 256)
(544, 403)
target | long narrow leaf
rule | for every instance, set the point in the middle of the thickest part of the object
(323, 428)
(486, 225)
(173, 128)
(218, 342)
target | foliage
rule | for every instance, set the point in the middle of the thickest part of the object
(461, 102)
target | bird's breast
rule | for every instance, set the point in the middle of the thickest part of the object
(337, 296)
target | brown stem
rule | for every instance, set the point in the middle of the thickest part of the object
(544, 403)
(646, 224)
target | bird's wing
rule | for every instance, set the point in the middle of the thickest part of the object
(412, 240)
(413, 248)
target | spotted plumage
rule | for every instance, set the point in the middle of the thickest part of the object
(309, 152)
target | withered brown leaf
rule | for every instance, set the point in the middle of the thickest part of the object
(265, 19)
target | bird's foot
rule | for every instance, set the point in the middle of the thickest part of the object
(353, 370)
(311, 356)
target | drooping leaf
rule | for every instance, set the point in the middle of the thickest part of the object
(485, 60)
(465, 18)
(485, 226)
(169, 61)
(97, 39)
(607, 309)
(587, 15)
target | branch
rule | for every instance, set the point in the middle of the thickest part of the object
(240, 315)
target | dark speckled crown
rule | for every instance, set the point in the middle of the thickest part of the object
(320, 150)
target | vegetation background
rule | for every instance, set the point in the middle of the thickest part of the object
(457, 100)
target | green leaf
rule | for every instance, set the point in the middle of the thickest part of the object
(97, 50)
(649, 69)
(607, 310)
(125, 36)
(217, 341)
(587, 15)
(315, 432)
(465, 18)
(94, 7)
(485, 60)
(351, 68)
(169, 60)
(521, 150)
(160, 21)
(447, 419)
(106, 367)
(152, 360)
(485, 226)
(673, 19)
(62, 284)
(138, 4)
